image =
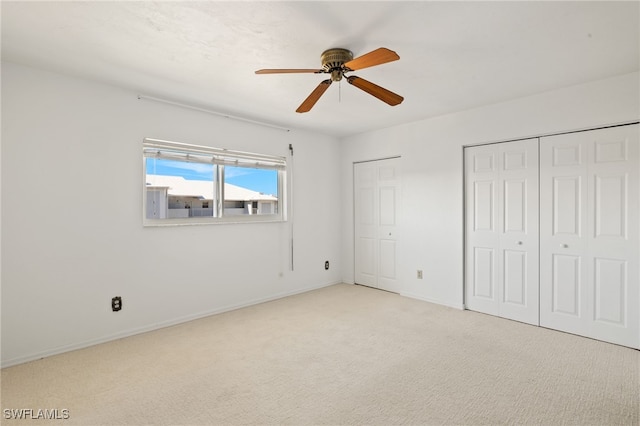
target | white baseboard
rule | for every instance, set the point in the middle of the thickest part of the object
(437, 302)
(157, 326)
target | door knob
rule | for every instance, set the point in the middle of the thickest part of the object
(564, 245)
(519, 243)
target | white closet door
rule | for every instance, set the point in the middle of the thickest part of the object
(376, 208)
(589, 234)
(365, 224)
(501, 271)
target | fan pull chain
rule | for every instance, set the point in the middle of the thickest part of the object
(340, 91)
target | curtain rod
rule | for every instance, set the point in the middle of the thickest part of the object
(220, 114)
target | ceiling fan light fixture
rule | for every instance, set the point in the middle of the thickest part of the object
(337, 62)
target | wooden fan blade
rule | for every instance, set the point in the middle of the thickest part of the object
(379, 56)
(288, 71)
(373, 89)
(314, 96)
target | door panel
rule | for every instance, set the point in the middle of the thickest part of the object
(376, 207)
(501, 271)
(515, 279)
(611, 289)
(515, 160)
(567, 214)
(566, 284)
(367, 203)
(515, 197)
(388, 206)
(483, 275)
(589, 235)
(388, 259)
(367, 255)
(483, 160)
(610, 201)
(611, 151)
(483, 206)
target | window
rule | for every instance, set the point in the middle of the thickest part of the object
(195, 184)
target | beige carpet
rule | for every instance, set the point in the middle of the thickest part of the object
(340, 355)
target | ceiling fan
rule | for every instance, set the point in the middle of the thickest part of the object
(339, 61)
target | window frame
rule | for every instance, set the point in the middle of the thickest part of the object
(219, 157)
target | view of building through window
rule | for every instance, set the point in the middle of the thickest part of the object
(185, 189)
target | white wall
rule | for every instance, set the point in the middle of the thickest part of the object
(63, 137)
(432, 174)
(64, 259)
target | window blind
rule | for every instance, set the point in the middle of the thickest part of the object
(155, 148)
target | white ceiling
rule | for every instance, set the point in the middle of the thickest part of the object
(453, 55)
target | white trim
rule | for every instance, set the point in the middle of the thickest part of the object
(157, 326)
(426, 299)
(564, 132)
(226, 220)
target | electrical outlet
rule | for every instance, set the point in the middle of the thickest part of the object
(116, 304)
(419, 274)
(326, 265)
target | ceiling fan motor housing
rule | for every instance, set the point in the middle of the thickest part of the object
(332, 61)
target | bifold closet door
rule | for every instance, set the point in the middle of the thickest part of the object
(376, 211)
(589, 234)
(501, 270)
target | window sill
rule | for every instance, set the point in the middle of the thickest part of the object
(212, 221)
